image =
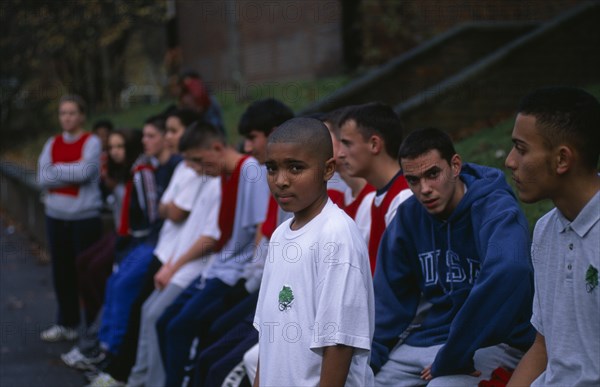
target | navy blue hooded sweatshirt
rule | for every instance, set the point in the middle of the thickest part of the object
(474, 268)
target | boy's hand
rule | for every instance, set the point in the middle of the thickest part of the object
(427, 376)
(426, 373)
(163, 276)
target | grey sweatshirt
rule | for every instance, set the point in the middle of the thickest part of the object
(84, 173)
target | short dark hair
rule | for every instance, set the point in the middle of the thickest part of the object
(264, 115)
(309, 132)
(186, 116)
(566, 115)
(200, 134)
(333, 117)
(103, 124)
(376, 118)
(158, 121)
(421, 141)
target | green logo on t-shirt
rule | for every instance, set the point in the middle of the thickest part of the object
(286, 297)
(591, 278)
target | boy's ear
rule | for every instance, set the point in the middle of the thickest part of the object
(456, 165)
(329, 169)
(376, 144)
(564, 159)
(217, 146)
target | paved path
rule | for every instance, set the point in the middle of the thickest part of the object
(27, 306)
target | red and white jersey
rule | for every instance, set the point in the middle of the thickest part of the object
(377, 210)
(337, 190)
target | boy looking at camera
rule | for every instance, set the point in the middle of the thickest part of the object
(317, 278)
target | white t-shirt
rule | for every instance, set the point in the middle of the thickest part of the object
(202, 221)
(182, 190)
(251, 208)
(316, 292)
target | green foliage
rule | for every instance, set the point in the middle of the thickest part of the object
(130, 118)
(295, 94)
(54, 47)
(490, 147)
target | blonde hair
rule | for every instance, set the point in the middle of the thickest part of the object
(76, 99)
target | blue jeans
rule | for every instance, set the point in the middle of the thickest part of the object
(122, 288)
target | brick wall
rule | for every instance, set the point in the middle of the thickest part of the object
(252, 41)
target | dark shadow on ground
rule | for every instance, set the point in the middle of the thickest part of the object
(28, 306)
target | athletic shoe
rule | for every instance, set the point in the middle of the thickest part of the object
(59, 333)
(74, 358)
(236, 376)
(105, 380)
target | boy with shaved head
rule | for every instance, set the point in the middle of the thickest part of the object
(317, 278)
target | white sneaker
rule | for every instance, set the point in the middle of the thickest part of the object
(105, 380)
(59, 333)
(236, 376)
(74, 358)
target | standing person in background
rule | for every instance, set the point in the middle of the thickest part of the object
(194, 95)
(555, 156)
(69, 171)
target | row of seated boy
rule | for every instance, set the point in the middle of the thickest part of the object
(461, 305)
(127, 288)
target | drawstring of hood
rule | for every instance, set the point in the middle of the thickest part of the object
(440, 280)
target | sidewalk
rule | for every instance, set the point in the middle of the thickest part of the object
(27, 306)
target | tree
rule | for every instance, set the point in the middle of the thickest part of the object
(50, 47)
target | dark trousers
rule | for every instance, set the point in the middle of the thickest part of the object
(94, 266)
(235, 335)
(67, 239)
(190, 315)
